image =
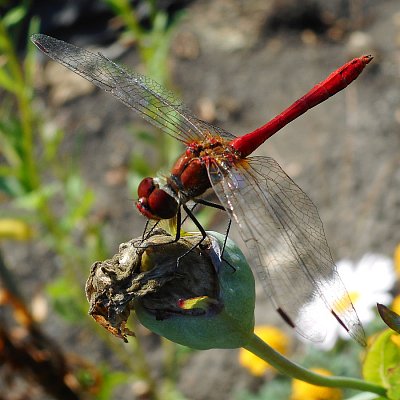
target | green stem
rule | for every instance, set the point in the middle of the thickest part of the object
(23, 96)
(287, 367)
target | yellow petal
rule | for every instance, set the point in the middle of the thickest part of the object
(395, 338)
(396, 257)
(15, 229)
(275, 338)
(305, 391)
(396, 305)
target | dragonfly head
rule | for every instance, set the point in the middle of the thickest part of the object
(154, 202)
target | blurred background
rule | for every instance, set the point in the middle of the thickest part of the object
(71, 157)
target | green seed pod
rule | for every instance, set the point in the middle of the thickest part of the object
(200, 301)
(228, 321)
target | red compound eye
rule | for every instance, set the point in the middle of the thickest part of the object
(162, 205)
(143, 207)
(146, 187)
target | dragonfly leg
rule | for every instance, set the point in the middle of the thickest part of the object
(219, 207)
(223, 247)
(147, 233)
(209, 204)
(178, 224)
(187, 215)
(199, 226)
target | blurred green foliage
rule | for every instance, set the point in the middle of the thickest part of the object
(57, 201)
(382, 363)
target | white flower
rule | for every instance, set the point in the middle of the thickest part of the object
(368, 282)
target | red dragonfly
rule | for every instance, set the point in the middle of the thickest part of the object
(278, 222)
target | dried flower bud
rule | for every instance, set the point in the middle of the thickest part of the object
(201, 301)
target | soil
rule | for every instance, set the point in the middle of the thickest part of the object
(237, 64)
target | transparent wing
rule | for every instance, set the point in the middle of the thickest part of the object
(281, 226)
(156, 104)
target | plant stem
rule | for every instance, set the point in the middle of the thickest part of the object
(23, 95)
(287, 367)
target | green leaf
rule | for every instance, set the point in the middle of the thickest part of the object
(11, 186)
(6, 171)
(83, 207)
(394, 380)
(11, 136)
(145, 136)
(79, 197)
(34, 199)
(15, 15)
(110, 380)
(30, 58)
(6, 81)
(140, 166)
(66, 300)
(52, 138)
(382, 363)
(78, 200)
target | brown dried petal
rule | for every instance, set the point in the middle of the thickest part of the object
(149, 272)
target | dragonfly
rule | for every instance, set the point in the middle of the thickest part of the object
(277, 221)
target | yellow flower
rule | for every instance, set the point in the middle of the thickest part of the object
(275, 338)
(395, 338)
(305, 391)
(396, 305)
(14, 229)
(396, 258)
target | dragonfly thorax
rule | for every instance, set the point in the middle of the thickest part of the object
(190, 176)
